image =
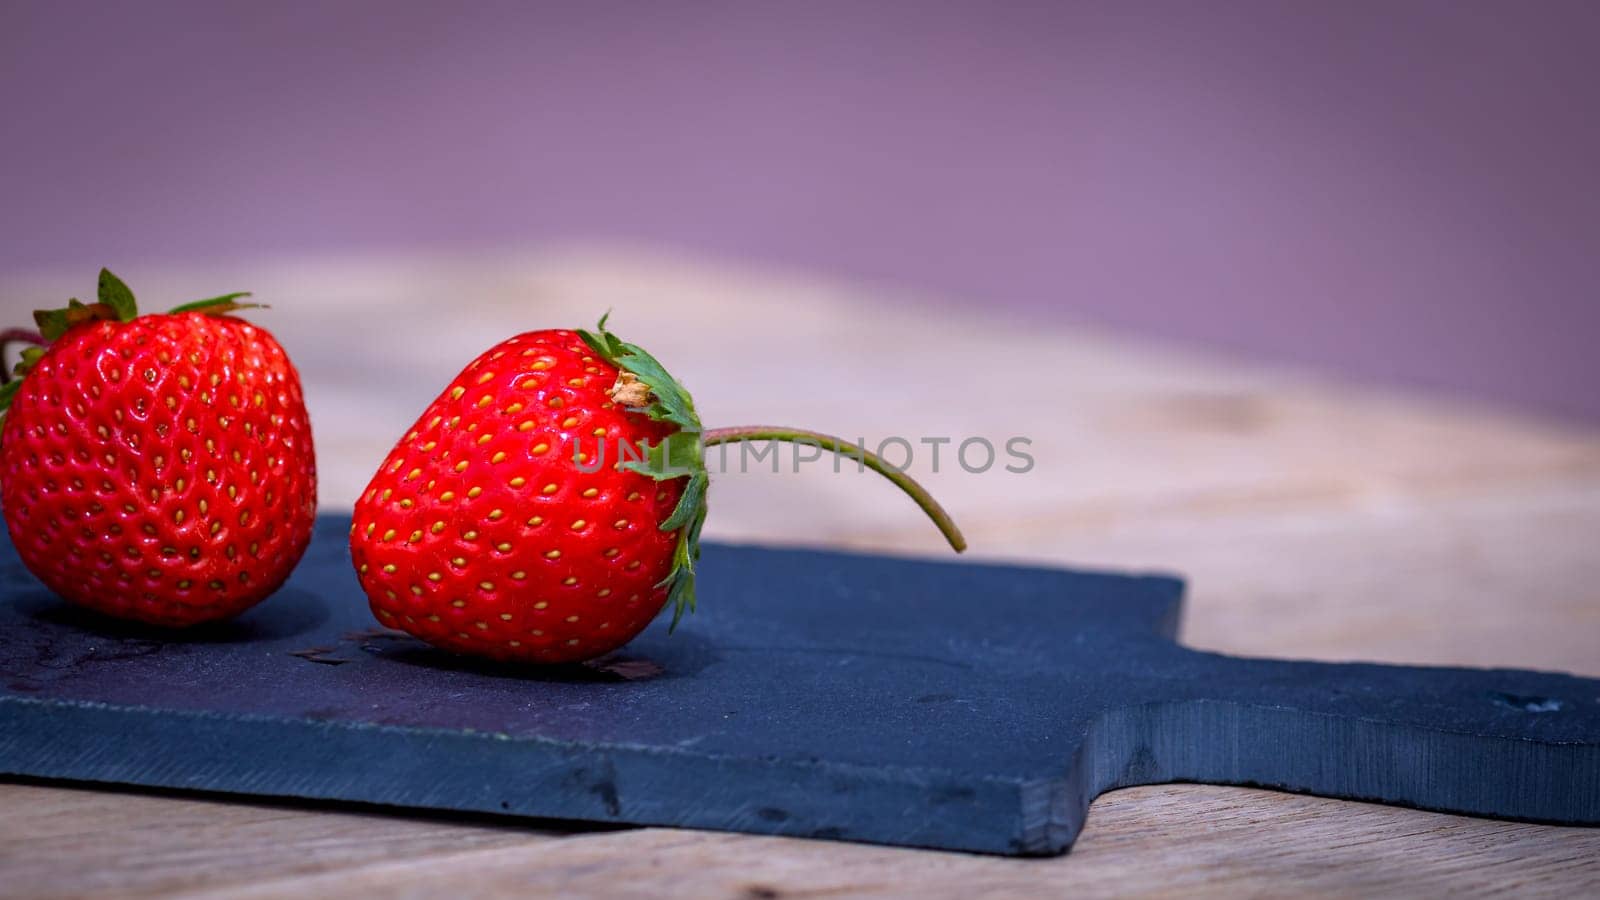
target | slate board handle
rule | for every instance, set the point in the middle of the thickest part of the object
(1493, 742)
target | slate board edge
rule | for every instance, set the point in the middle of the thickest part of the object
(522, 777)
(534, 777)
(1210, 741)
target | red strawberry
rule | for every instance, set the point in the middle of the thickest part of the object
(515, 519)
(157, 467)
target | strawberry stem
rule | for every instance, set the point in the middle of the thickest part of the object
(16, 336)
(876, 463)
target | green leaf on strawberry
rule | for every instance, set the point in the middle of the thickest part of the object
(669, 400)
(216, 306)
(116, 295)
(53, 323)
(653, 392)
(115, 302)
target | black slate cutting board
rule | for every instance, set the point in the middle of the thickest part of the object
(958, 706)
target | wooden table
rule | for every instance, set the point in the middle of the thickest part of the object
(1315, 520)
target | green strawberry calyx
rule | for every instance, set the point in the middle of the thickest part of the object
(645, 387)
(113, 302)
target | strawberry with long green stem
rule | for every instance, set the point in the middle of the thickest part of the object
(548, 504)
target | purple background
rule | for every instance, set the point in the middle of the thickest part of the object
(1404, 191)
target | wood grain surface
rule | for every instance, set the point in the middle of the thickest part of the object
(1314, 519)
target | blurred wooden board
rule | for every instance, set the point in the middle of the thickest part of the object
(1295, 506)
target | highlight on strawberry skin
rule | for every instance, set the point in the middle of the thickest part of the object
(155, 467)
(490, 531)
